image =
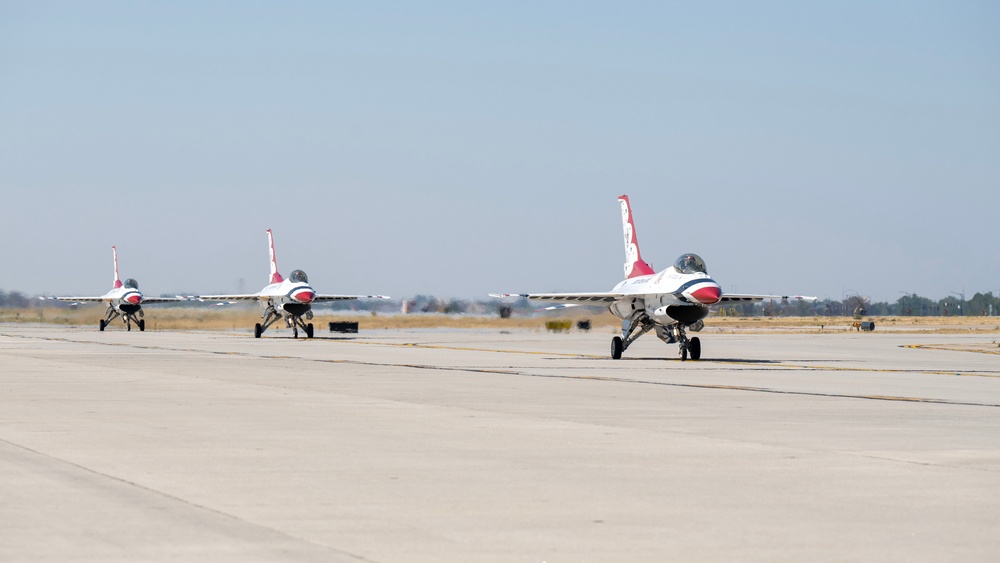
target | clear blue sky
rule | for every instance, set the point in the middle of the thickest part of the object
(458, 148)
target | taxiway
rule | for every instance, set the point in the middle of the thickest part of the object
(445, 445)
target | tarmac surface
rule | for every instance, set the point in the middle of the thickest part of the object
(441, 445)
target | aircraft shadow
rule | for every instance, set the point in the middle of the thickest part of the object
(703, 360)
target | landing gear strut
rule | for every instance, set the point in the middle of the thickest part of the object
(128, 314)
(270, 316)
(294, 322)
(635, 327)
(688, 346)
(298, 323)
(632, 329)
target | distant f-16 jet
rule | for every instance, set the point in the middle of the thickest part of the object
(124, 300)
(671, 302)
(289, 299)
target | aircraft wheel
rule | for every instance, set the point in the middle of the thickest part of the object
(102, 324)
(695, 347)
(257, 330)
(309, 330)
(616, 348)
(684, 352)
(128, 327)
(295, 332)
(142, 325)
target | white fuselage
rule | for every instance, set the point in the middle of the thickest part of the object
(287, 296)
(667, 296)
(123, 299)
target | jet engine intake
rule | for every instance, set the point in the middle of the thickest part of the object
(297, 309)
(684, 314)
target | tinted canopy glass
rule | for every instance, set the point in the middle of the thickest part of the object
(298, 276)
(131, 284)
(690, 264)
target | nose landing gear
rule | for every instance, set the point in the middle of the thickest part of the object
(688, 346)
(692, 348)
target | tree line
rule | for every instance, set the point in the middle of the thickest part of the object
(911, 305)
(14, 300)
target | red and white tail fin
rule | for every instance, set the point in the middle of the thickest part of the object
(634, 266)
(275, 276)
(118, 281)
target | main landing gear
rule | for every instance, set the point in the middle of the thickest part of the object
(634, 328)
(617, 347)
(128, 317)
(294, 322)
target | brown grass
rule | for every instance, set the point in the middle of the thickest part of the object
(244, 317)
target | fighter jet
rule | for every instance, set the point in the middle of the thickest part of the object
(288, 299)
(124, 300)
(671, 302)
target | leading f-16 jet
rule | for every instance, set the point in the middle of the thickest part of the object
(124, 300)
(671, 302)
(289, 299)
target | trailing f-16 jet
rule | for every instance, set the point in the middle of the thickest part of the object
(124, 300)
(289, 299)
(671, 302)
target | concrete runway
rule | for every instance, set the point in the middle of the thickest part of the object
(484, 446)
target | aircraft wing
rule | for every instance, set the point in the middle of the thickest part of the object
(244, 297)
(255, 297)
(346, 297)
(155, 300)
(574, 299)
(82, 299)
(734, 297)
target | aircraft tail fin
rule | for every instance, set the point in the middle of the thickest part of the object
(275, 276)
(118, 281)
(634, 265)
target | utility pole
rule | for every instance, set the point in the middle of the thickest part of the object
(961, 305)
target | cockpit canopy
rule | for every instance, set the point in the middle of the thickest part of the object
(131, 283)
(298, 276)
(690, 264)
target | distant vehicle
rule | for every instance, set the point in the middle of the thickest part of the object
(671, 302)
(124, 300)
(288, 299)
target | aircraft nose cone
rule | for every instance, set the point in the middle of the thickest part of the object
(304, 296)
(134, 299)
(707, 295)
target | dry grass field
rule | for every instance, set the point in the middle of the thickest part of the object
(926, 325)
(244, 317)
